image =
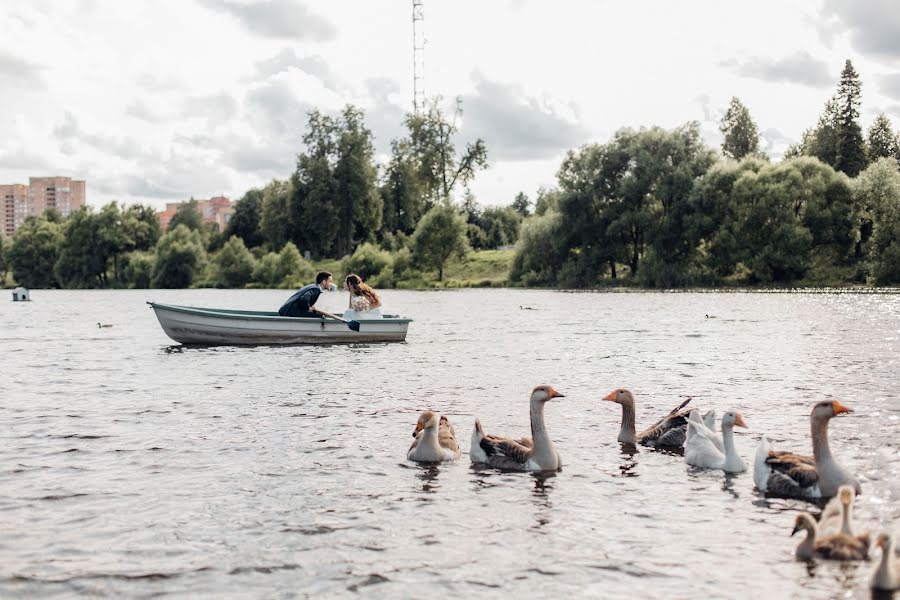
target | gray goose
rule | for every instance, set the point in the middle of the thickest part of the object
(837, 546)
(886, 575)
(670, 431)
(526, 454)
(435, 439)
(800, 476)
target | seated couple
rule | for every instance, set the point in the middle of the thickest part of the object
(364, 302)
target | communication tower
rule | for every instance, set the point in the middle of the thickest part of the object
(418, 20)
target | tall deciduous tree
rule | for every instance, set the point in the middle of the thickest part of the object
(34, 252)
(441, 234)
(180, 256)
(876, 193)
(431, 143)
(275, 221)
(741, 133)
(522, 204)
(244, 222)
(233, 264)
(851, 152)
(401, 191)
(882, 142)
(4, 258)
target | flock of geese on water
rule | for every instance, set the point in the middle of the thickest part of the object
(777, 472)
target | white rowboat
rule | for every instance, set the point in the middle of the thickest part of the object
(217, 326)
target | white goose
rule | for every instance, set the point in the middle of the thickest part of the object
(435, 440)
(798, 476)
(886, 575)
(527, 454)
(705, 425)
(701, 451)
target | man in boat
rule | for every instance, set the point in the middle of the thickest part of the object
(302, 303)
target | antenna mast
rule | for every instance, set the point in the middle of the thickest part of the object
(418, 20)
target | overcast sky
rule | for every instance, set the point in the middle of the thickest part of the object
(160, 100)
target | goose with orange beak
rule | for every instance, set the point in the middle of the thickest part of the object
(887, 574)
(791, 475)
(700, 451)
(527, 454)
(435, 439)
(670, 431)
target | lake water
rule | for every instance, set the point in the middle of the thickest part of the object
(131, 466)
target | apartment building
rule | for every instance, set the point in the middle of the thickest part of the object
(19, 201)
(216, 210)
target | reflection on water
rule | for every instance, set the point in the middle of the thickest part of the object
(130, 466)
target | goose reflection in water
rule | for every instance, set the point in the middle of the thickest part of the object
(428, 475)
(543, 484)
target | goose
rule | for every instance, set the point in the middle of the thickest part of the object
(886, 575)
(838, 514)
(798, 476)
(670, 431)
(535, 454)
(705, 425)
(700, 451)
(102, 325)
(435, 439)
(837, 546)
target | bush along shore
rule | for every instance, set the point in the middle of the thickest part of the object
(651, 209)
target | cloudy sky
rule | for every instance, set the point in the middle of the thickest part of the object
(158, 100)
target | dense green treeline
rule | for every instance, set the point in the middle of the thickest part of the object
(650, 207)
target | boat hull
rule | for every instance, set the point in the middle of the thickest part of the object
(208, 326)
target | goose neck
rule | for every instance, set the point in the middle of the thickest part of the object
(627, 433)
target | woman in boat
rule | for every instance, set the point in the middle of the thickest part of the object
(364, 301)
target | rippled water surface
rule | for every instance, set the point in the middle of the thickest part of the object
(131, 466)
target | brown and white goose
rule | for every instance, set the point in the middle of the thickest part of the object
(838, 546)
(670, 431)
(535, 454)
(799, 476)
(886, 575)
(435, 440)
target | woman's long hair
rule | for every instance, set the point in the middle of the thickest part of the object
(356, 284)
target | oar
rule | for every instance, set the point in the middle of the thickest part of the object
(354, 325)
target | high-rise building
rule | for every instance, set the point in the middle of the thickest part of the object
(18, 201)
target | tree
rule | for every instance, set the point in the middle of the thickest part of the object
(500, 225)
(440, 235)
(274, 220)
(245, 222)
(188, 215)
(401, 192)
(882, 142)
(741, 134)
(540, 251)
(4, 259)
(522, 205)
(138, 270)
(335, 202)
(431, 145)
(283, 269)
(851, 155)
(82, 253)
(233, 264)
(876, 193)
(822, 141)
(180, 255)
(34, 252)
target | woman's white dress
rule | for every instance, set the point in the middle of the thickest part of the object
(359, 309)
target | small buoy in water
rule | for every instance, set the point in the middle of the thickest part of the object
(21, 294)
(102, 325)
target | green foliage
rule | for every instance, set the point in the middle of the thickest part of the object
(34, 252)
(851, 152)
(430, 145)
(522, 205)
(335, 203)
(82, 251)
(244, 222)
(368, 261)
(882, 142)
(876, 193)
(274, 221)
(4, 258)
(540, 252)
(188, 215)
(138, 270)
(180, 256)
(283, 269)
(233, 264)
(401, 193)
(440, 235)
(739, 129)
(547, 199)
